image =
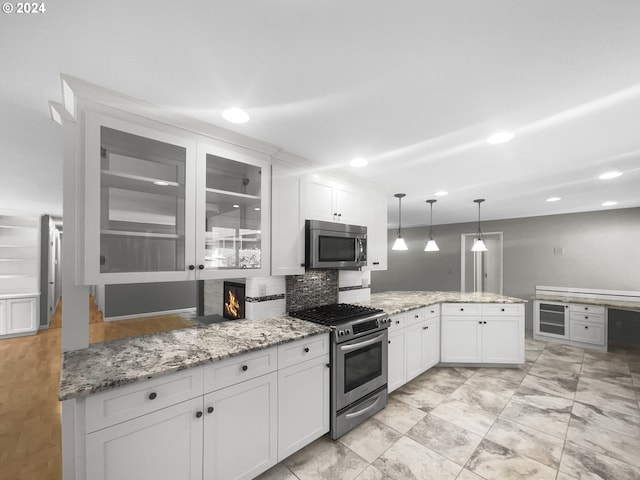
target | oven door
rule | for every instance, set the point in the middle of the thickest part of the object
(360, 367)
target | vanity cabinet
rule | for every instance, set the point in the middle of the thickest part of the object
(482, 333)
(164, 204)
(331, 200)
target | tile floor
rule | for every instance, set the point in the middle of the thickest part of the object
(567, 414)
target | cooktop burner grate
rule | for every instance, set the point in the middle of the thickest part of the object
(334, 313)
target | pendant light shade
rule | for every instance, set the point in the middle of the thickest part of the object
(431, 246)
(478, 243)
(399, 244)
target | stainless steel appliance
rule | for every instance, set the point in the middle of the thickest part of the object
(359, 347)
(335, 245)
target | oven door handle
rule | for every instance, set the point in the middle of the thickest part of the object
(364, 410)
(366, 343)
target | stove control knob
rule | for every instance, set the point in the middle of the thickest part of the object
(347, 331)
(340, 333)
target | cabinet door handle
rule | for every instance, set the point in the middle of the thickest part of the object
(586, 317)
(586, 308)
(397, 322)
(201, 267)
(480, 322)
(210, 410)
(198, 414)
(425, 328)
(462, 309)
(376, 263)
(302, 264)
(389, 341)
(484, 323)
(153, 395)
(306, 349)
(245, 368)
(586, 327)
(192, 267)
(502, 309)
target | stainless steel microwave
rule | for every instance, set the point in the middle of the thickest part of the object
(335, 245)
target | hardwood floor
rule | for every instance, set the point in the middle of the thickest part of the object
(30, 444)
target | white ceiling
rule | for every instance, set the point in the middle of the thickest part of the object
(413, 86)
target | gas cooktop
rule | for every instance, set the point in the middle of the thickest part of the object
(335, 314)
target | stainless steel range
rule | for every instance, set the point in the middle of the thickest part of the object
(359, 348)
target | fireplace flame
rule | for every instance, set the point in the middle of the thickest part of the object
(233, 306)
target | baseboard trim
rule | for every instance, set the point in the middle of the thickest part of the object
(185, 311)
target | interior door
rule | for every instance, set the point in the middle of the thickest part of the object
(482, 271)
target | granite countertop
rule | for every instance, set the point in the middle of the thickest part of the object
(603, 302)
(110, 364)
(397, 302)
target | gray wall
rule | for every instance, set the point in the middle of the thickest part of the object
(601, 251)
(132, 299)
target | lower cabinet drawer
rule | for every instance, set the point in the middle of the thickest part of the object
(238, 369)
(461, 309)
(586, 332)
(124, 403)
(503, 309)
(583, 308)
(302, 350)
(586, 317)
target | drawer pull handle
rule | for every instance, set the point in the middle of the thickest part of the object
(210, 410)
(192, 267)
(397, 322)
(586, 317)
(502, 309)
(245, 368)
(389, 342)
(198, 414)
(586, 327)
(153, 395)
(425, 328)
(462, 309)
(306, 349)
(200, 267)
(586, 308)
(484, 323)
(416, 316)
(480, 322)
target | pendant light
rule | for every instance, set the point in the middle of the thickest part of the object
(432, 246)
(399, 244)
(478, 243)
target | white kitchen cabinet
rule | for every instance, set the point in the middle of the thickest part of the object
(414, 344)
(287, 223)
(330, 200)
(587, 324)
(550, 319)
(240, 429)
(376, 221)
(163, 204)
(303, 404)
(19, 316)
(3, 317)
(460, 341)
(482, 333)
(397, 370)
(163, 445)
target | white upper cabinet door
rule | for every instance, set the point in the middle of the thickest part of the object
(139, 202)
(375, 211)
(287, 223)
(332, 201)
(232, 212)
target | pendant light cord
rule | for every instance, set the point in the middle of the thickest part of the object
(399, 216)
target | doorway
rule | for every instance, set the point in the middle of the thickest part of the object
(481, 271)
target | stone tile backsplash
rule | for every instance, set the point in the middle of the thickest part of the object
(315, 287)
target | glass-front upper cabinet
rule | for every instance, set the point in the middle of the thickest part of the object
(233, 212)
(139, 191)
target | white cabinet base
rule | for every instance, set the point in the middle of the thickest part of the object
(18, 316)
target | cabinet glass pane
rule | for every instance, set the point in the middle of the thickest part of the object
(142, 203)
(552, 319)
(233, 214)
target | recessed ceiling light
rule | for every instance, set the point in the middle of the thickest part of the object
(610, 175)
(553, 199)
(441, 193)
(257, 209)
(235, 205)
(500, 137)
(162, 183)
(610, 203)
(235, 115)
(358, 162)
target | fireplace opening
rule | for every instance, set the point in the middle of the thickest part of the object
(233, 300)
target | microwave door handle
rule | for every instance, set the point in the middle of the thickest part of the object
(356, 346)
(360, 252)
